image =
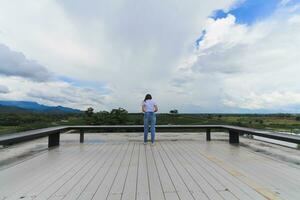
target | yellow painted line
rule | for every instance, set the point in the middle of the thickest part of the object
(268, 194)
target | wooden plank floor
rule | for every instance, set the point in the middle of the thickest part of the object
(170, 170)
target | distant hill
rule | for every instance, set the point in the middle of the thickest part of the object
(28, 106)
(13, 109)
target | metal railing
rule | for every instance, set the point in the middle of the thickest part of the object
(53, 133)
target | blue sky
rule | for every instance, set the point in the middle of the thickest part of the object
(252, 11)
(109, 54)
(248, 12)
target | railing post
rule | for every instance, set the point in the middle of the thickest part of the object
(53, 139)
(81, 135)
(233, 137)
(208, 134)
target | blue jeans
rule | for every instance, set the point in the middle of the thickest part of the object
(149, 117)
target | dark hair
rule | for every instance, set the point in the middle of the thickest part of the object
(148, 96)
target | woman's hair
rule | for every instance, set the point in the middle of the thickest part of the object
(148, 96)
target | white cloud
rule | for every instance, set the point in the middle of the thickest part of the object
(4, 89)
(53, 93)
(267, 101)
(15, 64)
(131, 45)
(136, 47)
(284, 2)
(223, 31)
(251, 67)
(43, 32)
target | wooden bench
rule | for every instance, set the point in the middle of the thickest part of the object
(53, 133)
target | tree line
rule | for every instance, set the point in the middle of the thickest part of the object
(115, 116)
(14, 121)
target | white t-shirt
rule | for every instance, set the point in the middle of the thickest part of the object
(149, 105)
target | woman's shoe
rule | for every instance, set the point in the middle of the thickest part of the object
(153, 144)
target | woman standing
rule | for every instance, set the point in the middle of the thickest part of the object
(149, 108)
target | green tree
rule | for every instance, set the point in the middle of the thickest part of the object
(89, 112)
(175, 111)
(89, 116)
(119, 116)
(102, 118)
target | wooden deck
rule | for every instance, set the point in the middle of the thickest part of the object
(170, 170)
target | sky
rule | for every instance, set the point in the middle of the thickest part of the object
(209, 56)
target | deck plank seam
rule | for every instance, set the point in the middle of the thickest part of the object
(281, 163)
(161, 158)
(169, 153)
(257, 187)
(137, 172)
(73, 165)
(267, 179)
(118, 161)
(159, 178)
(236, 182)
(205, 179)
(216, 172)
(44, 177)
(195, 181)
(99, 153)
(119, 149)
(123, 158)
(173, 165)
(34, 159)
(111, 150)
(264, 179)
(240, 182)
(130, 185)
(118, 171)
(123, 188)
(163, 172)
(155, 185)
(100, 164)
(147, 169)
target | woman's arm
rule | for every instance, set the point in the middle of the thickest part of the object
(143, 108)
(155, 108)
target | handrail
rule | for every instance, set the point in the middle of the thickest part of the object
(264, 133)
(13, 138)
(54, 132)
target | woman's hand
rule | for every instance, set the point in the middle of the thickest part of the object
(143, 108)
(155, 108)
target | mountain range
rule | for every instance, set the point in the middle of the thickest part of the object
(23, 106)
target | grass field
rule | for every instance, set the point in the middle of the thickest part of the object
(286, 123)
(276, 122)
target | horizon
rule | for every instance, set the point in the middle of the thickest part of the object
(180, 113)
(213, 56)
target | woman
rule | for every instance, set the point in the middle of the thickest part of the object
(149, 108)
